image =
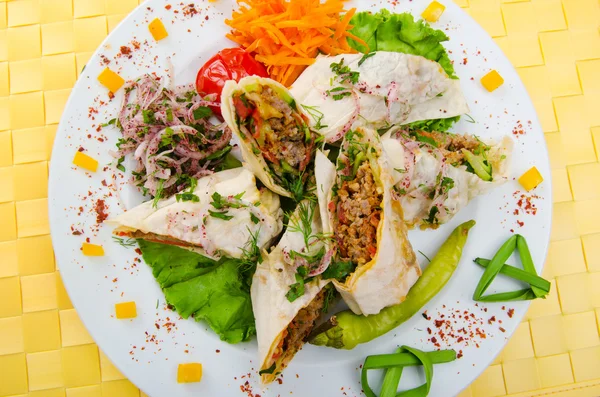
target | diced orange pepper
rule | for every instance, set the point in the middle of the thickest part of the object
(158, 30)
(92, 249)
(189, 373)
(111, 80)
(126, 310)
(492, 80)
(433, 12)
(84, 161)
(531, 179)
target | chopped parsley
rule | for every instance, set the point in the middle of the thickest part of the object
(344, 73)
(447, 184)
(254, 218)
(269, 370)
(202, 112)
(220, 215)
(341, 93)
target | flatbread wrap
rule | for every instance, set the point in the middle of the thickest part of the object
(437, 174)
(276, 141)
(365, 219)
(217, 218)
(376, 90)
(288, 292)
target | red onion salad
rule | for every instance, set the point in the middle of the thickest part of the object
(170, 135)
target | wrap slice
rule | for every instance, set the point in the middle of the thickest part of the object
(436, 174)
(222, 213)
(288, 292)
(365, 219)
(377, 90)
(276, 141)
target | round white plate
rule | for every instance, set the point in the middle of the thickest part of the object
(149, 356)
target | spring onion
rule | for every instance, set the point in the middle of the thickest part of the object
(539, 287)
(394, 363)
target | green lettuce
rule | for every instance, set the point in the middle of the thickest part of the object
(214, 291)
(385, 31)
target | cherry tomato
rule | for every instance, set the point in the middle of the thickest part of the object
(227, 64)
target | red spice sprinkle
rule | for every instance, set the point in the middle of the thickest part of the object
(464, 61)
(510, 312)
(459, 354)
(502, 329)
(439, 323)
(101, 214)
(168, 7)
(521, 224)
(492, 319)
(115, 280)
(218, 351)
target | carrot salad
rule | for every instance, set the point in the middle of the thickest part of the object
(287, 35)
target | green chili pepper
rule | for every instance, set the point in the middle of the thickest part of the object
(345, 330)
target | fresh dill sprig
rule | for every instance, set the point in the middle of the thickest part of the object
(316, 114)
(301, 222)
(126, 243)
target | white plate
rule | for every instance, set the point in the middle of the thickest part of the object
(96, 284)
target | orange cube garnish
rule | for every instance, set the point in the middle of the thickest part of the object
(189, 373)
(111, 80)
(492, 80)
(84, 161)
(433, 12)
(157, 29)
(126, 310)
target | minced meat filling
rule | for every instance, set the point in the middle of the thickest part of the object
(298, 330)
(288, 140)
(358, 215)
(451, 145)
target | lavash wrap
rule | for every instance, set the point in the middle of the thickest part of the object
(190, 225)
(392, 89)
(421, 165)
(255, 162)
(273, 312)
(386, 279)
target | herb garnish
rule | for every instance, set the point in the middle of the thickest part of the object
(316, 114)
(220, 215)
(344, 73)
(341, 93)
(268, 371)
(126, 243)
(365, 57)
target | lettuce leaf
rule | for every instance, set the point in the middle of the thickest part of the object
(385, 31)
(201, 287)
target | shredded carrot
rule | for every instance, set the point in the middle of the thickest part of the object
(287, 35)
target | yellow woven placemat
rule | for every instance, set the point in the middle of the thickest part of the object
(46, 352)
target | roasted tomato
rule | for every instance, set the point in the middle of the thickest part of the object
(227, 64)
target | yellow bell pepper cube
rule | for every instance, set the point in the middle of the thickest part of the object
(111, 80)
(157, 29)
(92, 249)
(531, 179)
(189, 373)
(492, 80)
(433, 12)
(84, 161)
(126, 310)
